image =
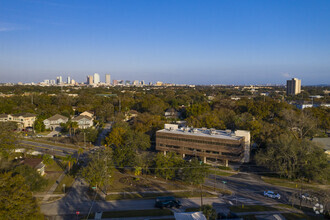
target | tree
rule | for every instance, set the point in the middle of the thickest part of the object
(32, 178)
(300, 123)
(70, 161)
(295, 158)
(39, 125)
(99, 170)
(167, 165)
(16, 200)
(124, 156)
(209, 212)
(8, 138)
(116, 136)
(194, 172)
(47, 159)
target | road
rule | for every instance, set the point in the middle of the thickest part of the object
(48, 148)
(102, 135)
(248, 189)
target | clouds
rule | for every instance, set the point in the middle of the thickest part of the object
(6, 27)
(286, 75)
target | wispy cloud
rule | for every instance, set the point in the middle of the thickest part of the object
(6, 27)
(286, 75)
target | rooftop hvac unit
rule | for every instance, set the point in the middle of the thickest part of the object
(213, 131)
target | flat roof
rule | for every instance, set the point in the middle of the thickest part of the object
(220, 134)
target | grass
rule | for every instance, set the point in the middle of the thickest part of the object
(251, 208)
(134, 213)
(222, 173)
(67, 180)
(53, 167)
(296, 216)
(292, 184)
(222, 191)
(52, 143)
(54, 198)
(187, 194)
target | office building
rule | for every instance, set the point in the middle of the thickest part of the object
(293, 87)
(90, 80)
(96, 78)
(107, 79)
(136, 82)
(209, 145)
(115, 82)
(68, 81)
(59, 80)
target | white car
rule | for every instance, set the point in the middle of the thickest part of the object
(271, 194)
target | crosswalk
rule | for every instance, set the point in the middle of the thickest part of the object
(233, 200)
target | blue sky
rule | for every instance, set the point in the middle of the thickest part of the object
(198, 42)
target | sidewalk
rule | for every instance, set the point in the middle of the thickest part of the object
(52, 189)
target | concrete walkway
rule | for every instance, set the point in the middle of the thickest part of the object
(52, 189)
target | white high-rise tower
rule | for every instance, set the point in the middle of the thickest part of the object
(96, 78)
(107, 79)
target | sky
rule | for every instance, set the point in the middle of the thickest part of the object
(176, 41)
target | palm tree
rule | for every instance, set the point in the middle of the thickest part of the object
(70, 160)
(74, 126)
(80, 151)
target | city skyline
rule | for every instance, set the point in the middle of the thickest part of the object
(186, 42)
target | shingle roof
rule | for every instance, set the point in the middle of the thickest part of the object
(81, 117)
(32, 162)
(56, 117)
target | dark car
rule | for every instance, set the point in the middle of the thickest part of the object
(230, 215)
(167, 202)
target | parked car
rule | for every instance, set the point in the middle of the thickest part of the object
(230, 215)
(307, 197)
(167, 202)
(271, 194)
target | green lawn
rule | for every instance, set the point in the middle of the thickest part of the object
(293, 184)
(67, 180)
(297, 216)
(134, 213)
(222, 173)
(187, 194)
(252, 208)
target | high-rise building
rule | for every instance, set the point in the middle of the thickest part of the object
(293, 87)
(68, 80)
(142, 83)
(90, 80)
(59, 80)
(115, 82)
(96, 78)
(107, 79)
(136, 82)
(52, 82)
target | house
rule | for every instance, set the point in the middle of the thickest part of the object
(172, 113)
(83, 121)
(53, 123)
(325, 144)
(88, 113)
(23, 120)
(130, 114)
(35, 163)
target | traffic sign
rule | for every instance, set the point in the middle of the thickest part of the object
(77, 212)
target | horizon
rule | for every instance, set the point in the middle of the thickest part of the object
(180, 42)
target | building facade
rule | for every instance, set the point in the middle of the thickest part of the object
(54, 123)
(83, 121)
(96, 78)
(23, 121)
(107, 79)
(90, 80)
(207, 144)
(293, 87)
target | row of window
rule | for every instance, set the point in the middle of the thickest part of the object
(203, 151)
(199, 141)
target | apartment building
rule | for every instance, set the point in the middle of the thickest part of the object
(23, 120)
